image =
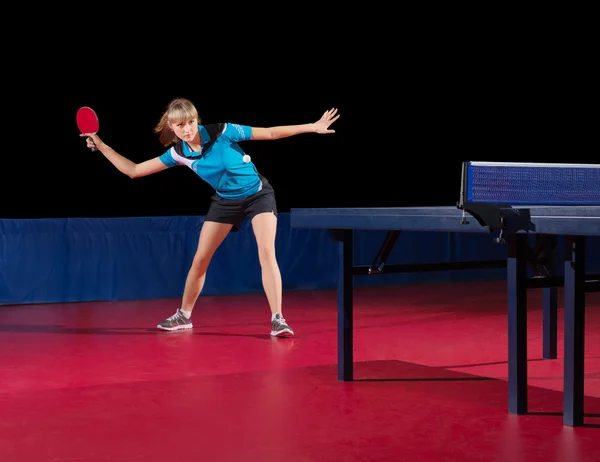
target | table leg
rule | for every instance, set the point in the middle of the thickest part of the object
(345, 307)
(550, 309)
(574, 330)
(517, 323)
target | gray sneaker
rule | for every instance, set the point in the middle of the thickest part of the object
(176, 322)
(280, 328)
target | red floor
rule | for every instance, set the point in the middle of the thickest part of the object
(97, 382)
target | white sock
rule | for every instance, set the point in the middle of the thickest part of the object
(187, 314)
(273, 315)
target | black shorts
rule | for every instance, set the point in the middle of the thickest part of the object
(235, 211)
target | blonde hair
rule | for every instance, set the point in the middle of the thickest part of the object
(177, 111)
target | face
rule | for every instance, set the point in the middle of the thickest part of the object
(186, 130)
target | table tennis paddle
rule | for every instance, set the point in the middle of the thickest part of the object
(87, 121)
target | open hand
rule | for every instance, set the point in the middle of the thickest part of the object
(328, 117)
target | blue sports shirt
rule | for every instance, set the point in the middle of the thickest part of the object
(222, 165)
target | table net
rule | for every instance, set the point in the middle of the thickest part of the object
(531, 183)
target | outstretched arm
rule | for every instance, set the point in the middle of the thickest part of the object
(320, 126)
(124, 165)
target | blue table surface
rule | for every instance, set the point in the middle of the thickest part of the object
(576, 220)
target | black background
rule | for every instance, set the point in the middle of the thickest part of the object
(414, 102)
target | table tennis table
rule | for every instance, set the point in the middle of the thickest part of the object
(572, 214)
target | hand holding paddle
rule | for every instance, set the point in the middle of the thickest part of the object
(87, 122)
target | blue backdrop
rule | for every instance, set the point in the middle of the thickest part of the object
(80, 259)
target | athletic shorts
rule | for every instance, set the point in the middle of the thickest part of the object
(235, 211)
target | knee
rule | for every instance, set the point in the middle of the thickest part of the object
(266, 255)
(200, 263)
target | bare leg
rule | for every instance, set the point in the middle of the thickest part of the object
(212, 235)
(265, 228)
